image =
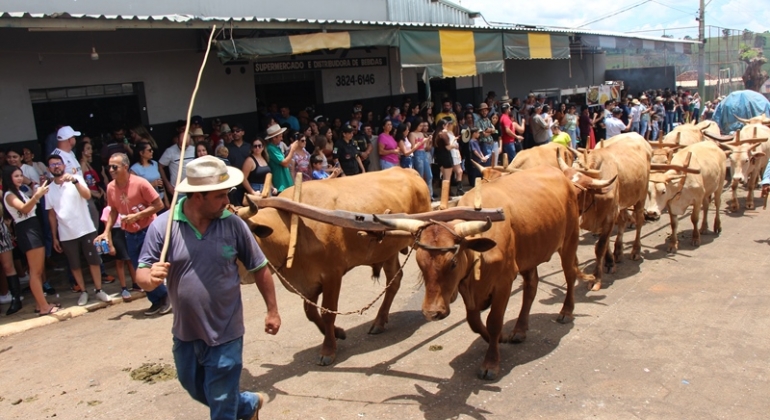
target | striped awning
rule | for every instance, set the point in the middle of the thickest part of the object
(452, 53)
(536, 45)
(253, 48)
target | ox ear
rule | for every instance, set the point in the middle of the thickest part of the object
(262, 231)
(481, 244)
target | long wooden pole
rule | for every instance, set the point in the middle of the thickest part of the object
(183, 146)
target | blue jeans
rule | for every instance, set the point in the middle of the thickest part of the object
(670, 115)
(134, 242)
(510, 150)
(655, 130)
(573, 137)
(643, 128)
(211, 375)
(635, 127)
(384, 164)
(487, 150)
(421, 163)
(406, 162)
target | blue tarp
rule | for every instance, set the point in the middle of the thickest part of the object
(741, 103)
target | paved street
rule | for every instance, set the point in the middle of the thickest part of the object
(671, 336)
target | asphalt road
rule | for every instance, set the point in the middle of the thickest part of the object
(671, 336)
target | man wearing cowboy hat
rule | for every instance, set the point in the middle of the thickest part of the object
(204, 286)
(486, 129)
(635, 115)
(279, 164)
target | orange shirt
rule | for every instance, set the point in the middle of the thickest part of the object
(132, 198)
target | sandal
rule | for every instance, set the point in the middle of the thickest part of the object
(52, 310)
(108, 279)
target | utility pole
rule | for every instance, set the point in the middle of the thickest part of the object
(702, 53)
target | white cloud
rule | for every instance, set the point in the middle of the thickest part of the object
(656, 14)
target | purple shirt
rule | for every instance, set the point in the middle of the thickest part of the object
(203, 280)
(388, 143)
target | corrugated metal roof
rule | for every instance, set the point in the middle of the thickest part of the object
(246, 22)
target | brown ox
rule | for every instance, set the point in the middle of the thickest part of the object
(526, 159)
(326, 252)
(748, 158)
(541, 217)
(627, 157)
(688, 183)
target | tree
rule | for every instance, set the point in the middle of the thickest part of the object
(754, 77)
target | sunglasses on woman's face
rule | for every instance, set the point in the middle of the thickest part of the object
(258, 146)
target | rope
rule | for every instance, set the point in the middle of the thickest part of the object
(183, 142)
(329, 311)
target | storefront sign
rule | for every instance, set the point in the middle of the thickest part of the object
(347, 84)
(318, 64)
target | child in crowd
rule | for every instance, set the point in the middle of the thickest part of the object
(121, 254)
(317, 163)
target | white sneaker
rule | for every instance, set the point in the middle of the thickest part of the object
(6, 298)
(102, 296)
(126, 295)
(24, 280)
(83, 299)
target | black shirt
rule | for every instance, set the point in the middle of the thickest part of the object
(362, 143)
(346, 153)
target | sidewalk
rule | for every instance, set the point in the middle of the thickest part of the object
(27, 319)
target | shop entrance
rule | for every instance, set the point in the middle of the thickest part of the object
(295, 90)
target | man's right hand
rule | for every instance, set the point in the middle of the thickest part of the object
(765, 190)
(57, 246)
(158, 273)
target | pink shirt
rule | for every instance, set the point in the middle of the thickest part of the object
(135, 197)
(388, 143)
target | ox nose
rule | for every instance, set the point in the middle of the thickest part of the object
(652, 215)
(436, 314)
(739, 178)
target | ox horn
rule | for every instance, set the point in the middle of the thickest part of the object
(253, 208)
(743, 120)
(598, 184)
(478, 166)
(409, 225)
(720, 139)
(562, 164)
(679, 168)
(465, 229)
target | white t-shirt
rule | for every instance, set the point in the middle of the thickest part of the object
(614, 127)
(171, 157)
(71, 210)
(71, 164)
(636, 113)
(17, 216)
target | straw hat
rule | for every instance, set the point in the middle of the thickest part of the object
(209, 173)
(196, 132)
(273, 131)
(635, 101)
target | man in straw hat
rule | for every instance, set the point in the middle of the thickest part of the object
(279, 164)
(204, 287)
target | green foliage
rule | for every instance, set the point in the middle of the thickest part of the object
(747, 53)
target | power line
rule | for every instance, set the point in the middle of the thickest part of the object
(614, 14)
(670, 7)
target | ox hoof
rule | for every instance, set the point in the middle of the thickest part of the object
(326, 360)
(749, 205)
(733, 207)
(586, 277)
(376, 329)
(488, 374)
(610, 268)
(516, 337)
(696, 241)
(595, 286)
(636, 255)
(717, 229)
(565, 318)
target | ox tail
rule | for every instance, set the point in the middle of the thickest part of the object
(376, 271)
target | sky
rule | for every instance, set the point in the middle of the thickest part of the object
(651, 17)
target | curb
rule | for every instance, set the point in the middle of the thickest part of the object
(63, 315)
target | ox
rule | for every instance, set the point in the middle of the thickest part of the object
(627, 157)
(748, 158)
(681, 136)
(541, 217)
(694, 176)
(326, 252)
(526, 159)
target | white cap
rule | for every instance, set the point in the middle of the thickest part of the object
(66, 133)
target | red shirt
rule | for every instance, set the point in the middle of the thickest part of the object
(132, 198)
(505, 122)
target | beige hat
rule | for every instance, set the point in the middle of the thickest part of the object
(483, 105)
(273, 131)
(635, 101)
(658, 99)
(196, 132)
(642, 98)
(224, 128)
(209, 173)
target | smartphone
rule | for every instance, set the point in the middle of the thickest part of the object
(337, 165)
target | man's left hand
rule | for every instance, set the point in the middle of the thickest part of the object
(272, 323)
(130, 218)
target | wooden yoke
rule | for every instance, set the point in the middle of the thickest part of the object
(294, 226)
